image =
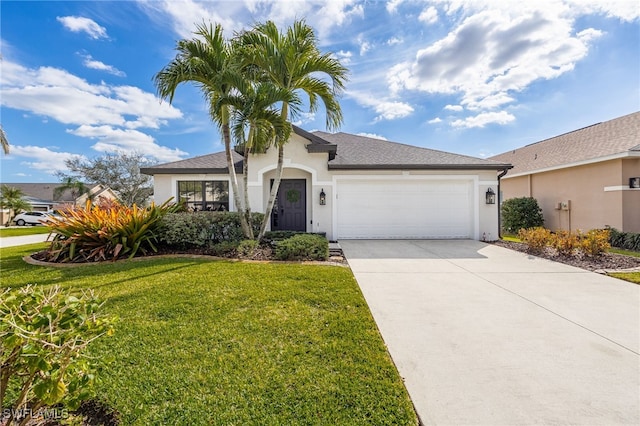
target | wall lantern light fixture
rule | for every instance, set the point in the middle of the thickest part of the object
(490, 196)
(323, 198)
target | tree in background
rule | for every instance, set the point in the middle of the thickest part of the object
(73, 185)
(118, 171)
(12, 198)
(4, 141)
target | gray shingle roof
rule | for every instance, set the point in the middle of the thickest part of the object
(612, 137)
(42, 191)
(360, 152)
(210, 163)
(346, 151)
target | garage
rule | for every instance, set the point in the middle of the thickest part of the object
(435, 208)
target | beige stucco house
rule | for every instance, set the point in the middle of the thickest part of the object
(585, 179)
(349, 187)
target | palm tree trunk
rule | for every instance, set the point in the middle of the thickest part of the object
(246, 214)
(226, 135)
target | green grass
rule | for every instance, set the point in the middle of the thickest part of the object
(212, 342)
(25, 230)
(633, 277)
(625, 252)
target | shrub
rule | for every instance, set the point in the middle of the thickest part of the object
(521, 213)
(204, 229)
(247, 247)
(303, 247)
(275, 236)
(104, 232)
(224, 249)
(624, 240)
(595, 242)
(565, 242)
(536, 239)
(43, 336)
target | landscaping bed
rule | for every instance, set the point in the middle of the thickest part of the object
(603, 262)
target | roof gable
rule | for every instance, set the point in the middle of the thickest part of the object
(598, 141)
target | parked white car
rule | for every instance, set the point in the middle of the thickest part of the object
(32, 218)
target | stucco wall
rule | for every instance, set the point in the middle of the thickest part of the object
(596, 193)
(300, 164)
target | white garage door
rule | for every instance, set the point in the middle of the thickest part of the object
(404, 209)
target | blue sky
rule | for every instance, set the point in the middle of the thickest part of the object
(470, 77)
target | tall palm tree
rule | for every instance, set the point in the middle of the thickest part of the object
(293, 62)
(12, 198)
(257, 123)
(4, 141)
(207, 62)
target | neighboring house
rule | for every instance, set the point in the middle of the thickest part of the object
(585, 179)
(348, 186)
(41, 196)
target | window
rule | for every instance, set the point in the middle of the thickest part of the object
(199, 196)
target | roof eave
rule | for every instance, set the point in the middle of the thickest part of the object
(184, 171)
(420, 166)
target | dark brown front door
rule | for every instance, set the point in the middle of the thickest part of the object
(290, 209)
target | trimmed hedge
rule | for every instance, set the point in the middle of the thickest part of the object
(204, 229)
(303, 247)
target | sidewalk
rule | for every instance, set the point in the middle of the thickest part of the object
(21, 241)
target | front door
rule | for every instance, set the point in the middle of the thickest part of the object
(290, 209)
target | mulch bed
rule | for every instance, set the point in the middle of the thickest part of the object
(604, 262)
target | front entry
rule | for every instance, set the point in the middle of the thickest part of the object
(290, 208)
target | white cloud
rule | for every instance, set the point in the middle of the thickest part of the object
(495, 51)
(111, 139)
(481, 120)
(89, 62)
(429, 15)
(343, 56)
(394, 40)
(112, 115)
(304, 118)
(42, 158)
(365, 46)
(57, 94)
(373, 135)
(392, 5)
(386, 109)
(78, 24)
(435, 120)
(456, 108)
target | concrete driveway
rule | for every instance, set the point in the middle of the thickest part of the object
(483, 335)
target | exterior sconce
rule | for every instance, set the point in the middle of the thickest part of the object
(490, 196)
(634, 182)
(323, 198)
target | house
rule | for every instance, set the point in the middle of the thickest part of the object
(42, 197)
(585, 179)
(348, 186)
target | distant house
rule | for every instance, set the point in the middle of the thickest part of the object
(42, 198)
(348, 186)
(585, 179)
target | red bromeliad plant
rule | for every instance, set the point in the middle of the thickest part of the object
(105, 232)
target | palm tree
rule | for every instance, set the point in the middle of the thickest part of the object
(208, 64)
(293, 62)
(12, 198)
(257, 124)
(3, 141)
(72, 185)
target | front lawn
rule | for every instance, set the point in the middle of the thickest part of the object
(24, 230)
(211, 342)
(633, 277)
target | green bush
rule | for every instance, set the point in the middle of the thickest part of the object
(204, 229)
(247, 247)
(521, 213)
(275, 236)
(303, 247)
(624, 240)
(43, 337)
